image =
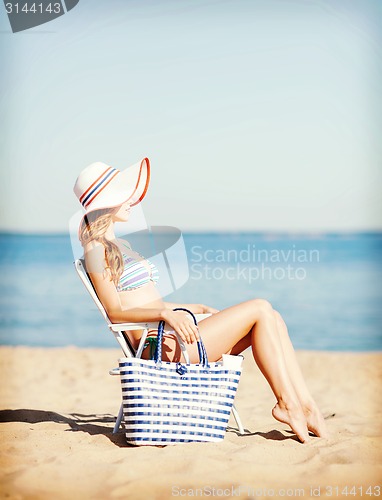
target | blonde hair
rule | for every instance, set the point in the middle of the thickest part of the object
(93, 228)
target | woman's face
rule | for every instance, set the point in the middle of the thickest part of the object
(123, 212)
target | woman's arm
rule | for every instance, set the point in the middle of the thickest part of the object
(109, 297)
(194, 308)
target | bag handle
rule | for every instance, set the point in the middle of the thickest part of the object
(201, 348)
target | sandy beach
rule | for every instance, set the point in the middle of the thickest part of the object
(58, 408)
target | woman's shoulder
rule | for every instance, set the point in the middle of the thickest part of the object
(94, 253)
(94, 246)
(123, 244)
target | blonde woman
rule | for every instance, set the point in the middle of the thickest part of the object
(125, 283)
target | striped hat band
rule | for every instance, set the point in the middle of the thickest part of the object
(98, 186)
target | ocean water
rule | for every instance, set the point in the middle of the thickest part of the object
(328, 287)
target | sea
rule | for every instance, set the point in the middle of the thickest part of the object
(328, 287)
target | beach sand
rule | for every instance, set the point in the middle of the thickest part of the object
(58, 409)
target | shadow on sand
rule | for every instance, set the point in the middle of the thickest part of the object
(95, 425)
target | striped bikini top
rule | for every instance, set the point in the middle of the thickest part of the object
(135, 274)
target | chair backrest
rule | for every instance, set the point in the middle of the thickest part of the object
(120, 335)
(81, 270)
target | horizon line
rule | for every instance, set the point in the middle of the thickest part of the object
(214, 231)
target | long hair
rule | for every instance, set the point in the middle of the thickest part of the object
(93, 228)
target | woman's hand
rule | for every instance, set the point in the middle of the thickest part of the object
(183, 324)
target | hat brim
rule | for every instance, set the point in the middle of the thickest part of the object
(130, 184)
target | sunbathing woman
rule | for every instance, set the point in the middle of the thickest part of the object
(126, 285)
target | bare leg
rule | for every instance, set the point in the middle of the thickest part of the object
(255, 317)
(269, 356)
(315, 420)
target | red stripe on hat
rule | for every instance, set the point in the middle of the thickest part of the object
(95, 182)
(147, 181)
(100, 190)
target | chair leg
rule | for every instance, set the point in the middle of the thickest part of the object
(238, 420)
(119, 420)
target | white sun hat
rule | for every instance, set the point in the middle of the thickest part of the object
(101, 186)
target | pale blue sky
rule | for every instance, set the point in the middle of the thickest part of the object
(256, 114)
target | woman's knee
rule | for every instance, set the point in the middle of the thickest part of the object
(279, 320)
(259, 309)
(262, 306)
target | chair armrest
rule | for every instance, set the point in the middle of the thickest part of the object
(114, 371)
(121, 327)
(200, 317)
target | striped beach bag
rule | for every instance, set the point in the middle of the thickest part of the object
(168, 403)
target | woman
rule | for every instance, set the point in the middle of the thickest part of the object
(126, 285)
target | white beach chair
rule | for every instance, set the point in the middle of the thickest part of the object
(120, 330)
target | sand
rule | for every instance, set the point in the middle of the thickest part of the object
(58, 408)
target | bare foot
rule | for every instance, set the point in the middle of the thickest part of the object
(294, 417)
(315, 420)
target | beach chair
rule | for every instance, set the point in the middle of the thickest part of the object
(120, 332)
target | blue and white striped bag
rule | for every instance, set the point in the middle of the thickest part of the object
(169, 403)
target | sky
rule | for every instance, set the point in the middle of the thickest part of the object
(257, 115)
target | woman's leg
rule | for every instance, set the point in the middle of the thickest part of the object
(226, 329)
(315, 420)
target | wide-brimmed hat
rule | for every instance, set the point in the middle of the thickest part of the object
(102, 186)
